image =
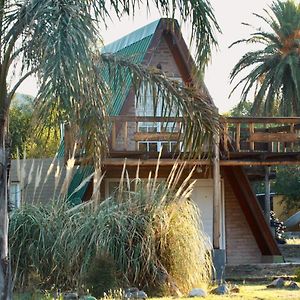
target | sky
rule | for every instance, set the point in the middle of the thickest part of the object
(229, 14)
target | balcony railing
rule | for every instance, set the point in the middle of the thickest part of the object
(147, 134)
(239, 134)
(275, 135)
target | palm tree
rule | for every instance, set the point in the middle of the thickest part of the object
(274, 69)
(58, 40)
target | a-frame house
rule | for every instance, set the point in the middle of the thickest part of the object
(238, 229)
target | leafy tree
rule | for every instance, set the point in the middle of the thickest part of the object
(243, 109)
(274, 69)
(59, 41)
(287, 183)
(20, 115)
(23, 139)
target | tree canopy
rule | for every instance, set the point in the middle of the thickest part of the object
(273, 71)
(24, 141)
(287, 183)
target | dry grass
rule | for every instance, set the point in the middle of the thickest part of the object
(145, 226)
(293, 241)
(247, 292)
(252, 291)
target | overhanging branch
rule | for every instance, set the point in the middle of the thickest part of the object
(16, 86)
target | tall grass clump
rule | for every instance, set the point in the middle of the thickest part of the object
(149, 229)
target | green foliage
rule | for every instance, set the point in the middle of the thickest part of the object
(287, 183)
(274, 69)
(243, 109)
(24, 138)
(297, 273)
(101, 275)
(150, 230)
(20, 116)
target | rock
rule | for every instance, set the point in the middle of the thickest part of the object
(197, 292)
(70, 296)
(134, 293)
(221, 290)
(234, 289)
(131, 290)
(139, 295)
(293, 285)
(277, 283)
(89, 297)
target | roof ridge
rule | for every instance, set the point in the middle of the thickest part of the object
(131, 38)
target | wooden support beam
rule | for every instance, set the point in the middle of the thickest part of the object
(251, 210)
(216, 193)
(69, 141)
(193, 162)
(263, 120)
(156, 136)
(122, 119)
(273, 137)
(267, 207)
(259, 162)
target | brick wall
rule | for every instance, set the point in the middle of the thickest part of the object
(164, 57)
(240, 242)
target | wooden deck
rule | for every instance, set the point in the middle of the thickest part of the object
(244, 141)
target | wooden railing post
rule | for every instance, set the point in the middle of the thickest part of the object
(136, 130)
(225, 138)
(113, 135)
(251, 131)
(292, 129)
(238, 137)
(126, 135)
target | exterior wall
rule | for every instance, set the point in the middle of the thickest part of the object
(240, 243)
(26, 172)
(163, 56)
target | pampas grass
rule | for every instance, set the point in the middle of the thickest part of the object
(148, 227)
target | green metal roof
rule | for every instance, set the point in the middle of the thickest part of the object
(131, 38)
(133, 46)
(61, 149)
(81, 174)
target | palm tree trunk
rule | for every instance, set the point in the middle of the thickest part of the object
(5, 282)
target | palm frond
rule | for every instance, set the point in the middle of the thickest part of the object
(275, 66)
(60, 41)
(200, 117)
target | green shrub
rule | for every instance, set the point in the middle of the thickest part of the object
(101, 275)
(149, 229)
(297, 273)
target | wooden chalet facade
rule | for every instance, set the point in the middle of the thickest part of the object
(231, 214)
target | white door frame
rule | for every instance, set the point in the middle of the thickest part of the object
(209, 183)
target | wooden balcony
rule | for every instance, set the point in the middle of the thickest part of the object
(133, 135)
(264, 139)
(244, 141)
